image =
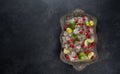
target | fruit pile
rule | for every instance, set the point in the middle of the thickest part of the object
(78, 39)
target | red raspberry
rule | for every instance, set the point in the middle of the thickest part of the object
(67, 57)
(82, 46)
(79, 24)
(86, 51)
(88, 31)
(83, 29)
(72, 39)
(88, 36)
(81, 32)
(92, 57)
(89, 46)
(83, 18)
(68, 42)
(75, 56)
(72, 46)
(66, 25)
(76, 20)
(88, 27)
(93, 43)
(64, 28)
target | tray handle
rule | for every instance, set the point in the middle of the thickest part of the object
(78, 11)
(80, 67)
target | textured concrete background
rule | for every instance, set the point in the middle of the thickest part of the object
(30, 30)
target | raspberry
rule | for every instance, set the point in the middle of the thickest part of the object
(89, 46)
(76, 20)
(87, 51)
(75, 56)
(88, 36)
(67, 57)
(83, 19)
(92, 57)
(72, 39)
(81, 32)
(88, 31)
(88, 27)
(82, 46)
(93, 43)
(66, 25)
(72, 46)
(83, 29)
(68, 42)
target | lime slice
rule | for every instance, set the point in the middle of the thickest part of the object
(76, 37)
(72, 25)
(82, 56)
(87, 23)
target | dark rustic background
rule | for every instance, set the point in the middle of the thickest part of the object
(30, 30)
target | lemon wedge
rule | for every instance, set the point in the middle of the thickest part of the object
(91, 54)
(69, 30)
(91, 23)
(66, 51)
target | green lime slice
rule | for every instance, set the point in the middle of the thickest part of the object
(76, 37)
(72, 25)
(82, 58)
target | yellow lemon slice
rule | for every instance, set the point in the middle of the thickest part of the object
(91, 23)
(69, 30)
(66, 51)
(86, 43)
(91, 54)
(90, 40)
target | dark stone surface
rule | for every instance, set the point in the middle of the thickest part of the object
(30, 29)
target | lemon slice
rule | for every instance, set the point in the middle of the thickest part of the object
(91, 54)
(66, 51)
(90, 40)
(86, 43)
(91, 23)
(69, 30)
